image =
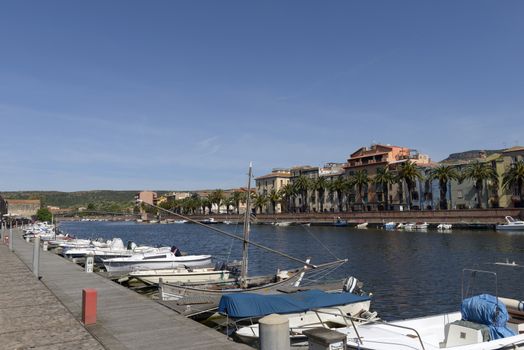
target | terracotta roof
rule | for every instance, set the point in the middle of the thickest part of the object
(514, 149)
(23, 201)
(272, 175)
(370, 154)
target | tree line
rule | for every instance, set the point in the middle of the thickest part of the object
(346, 191)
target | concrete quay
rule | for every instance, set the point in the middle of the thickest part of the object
(31, 316)
(46, 314)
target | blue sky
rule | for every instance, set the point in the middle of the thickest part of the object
(184, 94)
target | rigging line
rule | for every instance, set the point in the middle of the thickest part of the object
(311, 279)
(231, 246)
(308, 230)
(241, 238)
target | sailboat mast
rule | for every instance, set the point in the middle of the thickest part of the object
(247, 227)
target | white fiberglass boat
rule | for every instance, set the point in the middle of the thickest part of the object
(362, 225)
(445, 331)
(442, 227)
(421, 226)
(330, 310)
(484, 322)
(511, 225)
(152, 261)
(283, 223)
(182, 275)
(110, 249)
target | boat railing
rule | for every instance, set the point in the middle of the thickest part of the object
(361, 321)
(338, 312)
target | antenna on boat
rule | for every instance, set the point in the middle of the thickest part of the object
(247, 227)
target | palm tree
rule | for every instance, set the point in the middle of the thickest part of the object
(238, 197)
(229, 202)
(261, 200)
(514, 179)
(320, 185)
(217, 197)
(337, 186)
(444, 174)
(348, 187)
(383, 179)
(205, 203)
(274, 197)
(302, 185)
(409, 173)
(287, 192)
(479, 173)
(361, 180)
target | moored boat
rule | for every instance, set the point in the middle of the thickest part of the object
(484, 322)
(340, 223)
(511, 225)
(182, 275)
(390, 225)
(304, 310)
(442, 227)
(152, 261)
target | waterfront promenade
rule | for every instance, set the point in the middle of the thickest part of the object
(45, 314)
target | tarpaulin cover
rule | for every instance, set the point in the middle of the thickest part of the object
(242, 305)
(486, 309)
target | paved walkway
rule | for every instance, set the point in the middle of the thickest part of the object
(125, 319)
(31, 316)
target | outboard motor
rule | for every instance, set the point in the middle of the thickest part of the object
(353, 285)
(349, 284)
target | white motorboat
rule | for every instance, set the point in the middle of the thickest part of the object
(334, 316)
(443, 227)
(390, 225)
(180, 221)
(282, 223)
(152, 261)
(209, 221)
(430, 333)
(362, 225)
(410, 226)
(67, 243)
(511, 225)
(421, 226)
(182, 275)
(110, 249)
(484, 322)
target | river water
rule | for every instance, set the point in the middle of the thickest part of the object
(410, 274)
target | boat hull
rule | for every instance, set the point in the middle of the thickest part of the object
(432, 332)
(300, 322)
(510, 227)
(181, 276)
(125, 265)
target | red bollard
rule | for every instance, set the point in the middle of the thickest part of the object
(88, 306)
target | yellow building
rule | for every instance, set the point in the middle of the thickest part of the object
(265, 184)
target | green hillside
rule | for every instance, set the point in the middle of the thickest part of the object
(63, 200)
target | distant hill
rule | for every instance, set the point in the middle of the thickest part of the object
(78, 199)
(469, 155)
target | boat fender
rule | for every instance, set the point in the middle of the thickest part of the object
(350, 283)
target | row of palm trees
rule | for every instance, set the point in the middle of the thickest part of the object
(344, 191)
(407, 173)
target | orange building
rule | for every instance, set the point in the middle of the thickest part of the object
(378, 156)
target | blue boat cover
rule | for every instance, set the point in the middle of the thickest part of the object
(243, 305)
(486, 309)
